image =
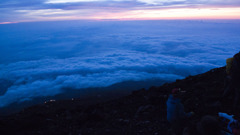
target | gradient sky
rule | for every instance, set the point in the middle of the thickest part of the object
(47, 10)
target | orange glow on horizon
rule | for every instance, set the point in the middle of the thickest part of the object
(148, 14)
(183, 13)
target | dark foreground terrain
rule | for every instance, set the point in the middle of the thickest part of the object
(141, 113)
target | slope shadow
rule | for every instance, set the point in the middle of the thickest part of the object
(87, 95)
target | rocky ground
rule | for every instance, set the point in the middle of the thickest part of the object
(141, 113)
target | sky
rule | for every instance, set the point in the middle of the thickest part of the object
(13, 11)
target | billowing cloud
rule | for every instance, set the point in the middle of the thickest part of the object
(42, 59)
(48, 77)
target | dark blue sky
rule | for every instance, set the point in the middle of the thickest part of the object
(50, 10)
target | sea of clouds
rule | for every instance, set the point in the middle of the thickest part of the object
(42, 58)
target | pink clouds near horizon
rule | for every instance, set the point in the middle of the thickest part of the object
(54, 10)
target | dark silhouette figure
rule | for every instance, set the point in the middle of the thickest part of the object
(209, 125)
(232, 81)
(176, 115)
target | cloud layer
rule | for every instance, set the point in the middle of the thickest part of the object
(41, 59)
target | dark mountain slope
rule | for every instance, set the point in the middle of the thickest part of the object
(142, 112)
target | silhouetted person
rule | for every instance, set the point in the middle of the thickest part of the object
(228, 80)
(209, 125)
(232, 80)
(175, 112)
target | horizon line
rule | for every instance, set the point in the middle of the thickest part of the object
(123, 19)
